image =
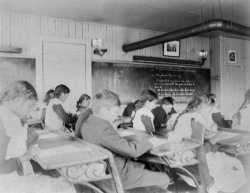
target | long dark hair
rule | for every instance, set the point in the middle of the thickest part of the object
(193, 104)
(148, 95)
(48, 96)
(82, 98)
(166, 100)
(61, 88)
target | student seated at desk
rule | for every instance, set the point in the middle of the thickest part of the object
(241, 119)
(16, 173)
(179, 125)
(143, 119)
(98, 129)
(48, 96)
(128, 114)
(83, 112)
(83, 103)
(213, 114)
(162, 114)
(56, 116)
(219, 176)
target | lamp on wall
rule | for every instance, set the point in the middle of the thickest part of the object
(98, 47)
(203, 55)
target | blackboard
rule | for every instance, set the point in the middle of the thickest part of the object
(128, 80)
(181, 83)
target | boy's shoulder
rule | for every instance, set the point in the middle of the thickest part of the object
(97, 121)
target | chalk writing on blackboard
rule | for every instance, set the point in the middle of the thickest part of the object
(129, 80)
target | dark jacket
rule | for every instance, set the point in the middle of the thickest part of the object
(160, 119)
(98, 131)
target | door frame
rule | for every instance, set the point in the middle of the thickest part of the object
(40, 63)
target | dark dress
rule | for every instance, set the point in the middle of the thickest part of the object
(160, 119)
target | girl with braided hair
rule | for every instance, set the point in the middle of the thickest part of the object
(180, 124)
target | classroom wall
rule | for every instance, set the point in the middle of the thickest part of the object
(27, 31)
(230, 80)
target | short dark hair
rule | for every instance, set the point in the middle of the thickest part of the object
(148, 95)
(61, 88)
(211, 97)
(83, 97)
(166, 100)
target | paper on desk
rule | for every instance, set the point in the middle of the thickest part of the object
(222, 135)
(125, 133)
(62, 150)
(156, 141)
(48, 136)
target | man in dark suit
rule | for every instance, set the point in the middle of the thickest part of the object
(98, 129)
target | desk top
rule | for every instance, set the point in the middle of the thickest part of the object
(56, 151)
(234, 142)
(166, 150)
(170, 148)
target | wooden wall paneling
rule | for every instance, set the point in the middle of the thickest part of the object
(247, 62)
(232, 76)
(85, 32)
(72, 30)
(184, 49)
(48, 26)
(78, 31)
(214, 55)
(62, 29)
(31, 27)
(26, 31)
(5, 29)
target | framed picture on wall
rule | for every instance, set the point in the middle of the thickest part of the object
(171, 48)
(232, 57)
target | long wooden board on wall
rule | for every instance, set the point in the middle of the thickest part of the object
(128, 80)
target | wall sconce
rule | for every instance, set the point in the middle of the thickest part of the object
(203, 55)
(99, 51)
(98, 47)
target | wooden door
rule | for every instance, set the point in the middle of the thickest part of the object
(66, 63)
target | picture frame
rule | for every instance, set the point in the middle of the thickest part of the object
(232, 57)
(171, 49)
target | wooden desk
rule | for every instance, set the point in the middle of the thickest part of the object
(162, 154)
(234, 142)
(57, 151)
